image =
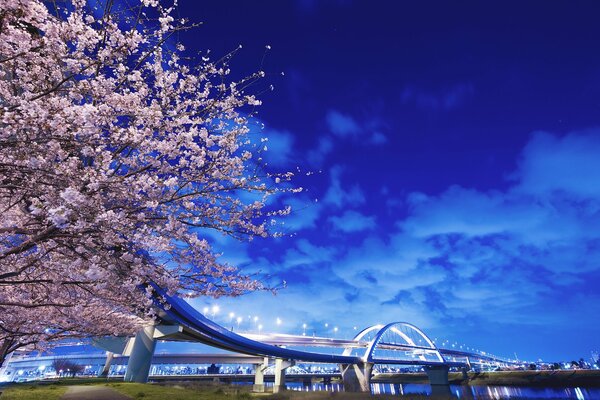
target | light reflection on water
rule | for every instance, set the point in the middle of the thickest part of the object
(466, 392)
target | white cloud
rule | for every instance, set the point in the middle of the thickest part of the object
(338, 196)
(465, 257)
(317, 155)
(352, 221)
(342, 125)
(378, 138)
(305, 213)
(566, 164)
(279, 148)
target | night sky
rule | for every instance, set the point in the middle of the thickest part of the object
(456, 151)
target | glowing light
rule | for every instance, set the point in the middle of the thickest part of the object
(278, 321)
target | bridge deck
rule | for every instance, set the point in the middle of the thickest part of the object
(193, 326)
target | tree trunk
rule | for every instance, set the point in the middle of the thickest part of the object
(6, 347)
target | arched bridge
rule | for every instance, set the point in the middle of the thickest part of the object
(399, 343)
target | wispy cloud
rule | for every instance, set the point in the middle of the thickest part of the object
(569, 164)
(345, 128)
(352, 221)
(280, 150)
(443, 99)
(338, 196)
(342, 125)
(317, 155)
(475, 260)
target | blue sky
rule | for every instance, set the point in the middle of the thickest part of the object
(456, 151)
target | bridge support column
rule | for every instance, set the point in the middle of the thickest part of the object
(438, 380)
(104, 371)
(140, 359)
(465, 375)
(280, 366)
(259, 376)
(357, 377)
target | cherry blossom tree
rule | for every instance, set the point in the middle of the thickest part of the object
(117, 156)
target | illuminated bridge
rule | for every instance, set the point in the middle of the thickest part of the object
(396, 343)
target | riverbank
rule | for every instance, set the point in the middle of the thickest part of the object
(577, 378)
(59, 390)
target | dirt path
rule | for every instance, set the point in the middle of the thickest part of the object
(93, 393)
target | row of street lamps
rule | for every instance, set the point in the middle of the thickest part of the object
(238, 320)
(214, 310)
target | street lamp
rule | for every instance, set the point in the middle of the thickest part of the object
(303, 329)
(239, 319)
(231, 316)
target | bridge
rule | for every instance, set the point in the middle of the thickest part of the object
(396, 343)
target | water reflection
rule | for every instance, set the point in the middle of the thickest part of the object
(466, 392)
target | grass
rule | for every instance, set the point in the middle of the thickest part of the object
(563, 378)
(32, 391)
(176, 391)
(54, 390)
(583, 378)
(182, 391)
(194, 391)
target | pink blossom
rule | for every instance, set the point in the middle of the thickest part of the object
(114, 157)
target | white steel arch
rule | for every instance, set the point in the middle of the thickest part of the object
(391, 349)
(361, 336)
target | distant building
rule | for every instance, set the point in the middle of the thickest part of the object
(595, 356)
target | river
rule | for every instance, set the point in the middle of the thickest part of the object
(468, 392)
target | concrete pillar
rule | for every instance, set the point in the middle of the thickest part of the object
(140, 358)
(438, 380)
(465, 375)
(259, 376)
(105, 370)
(280, 366)
(357, 377)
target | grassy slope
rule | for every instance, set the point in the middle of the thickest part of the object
(34, 391)
(205, 392)
(582, 378)
(198, 391)
(184, 391)
(179, 392)
(54, 391)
